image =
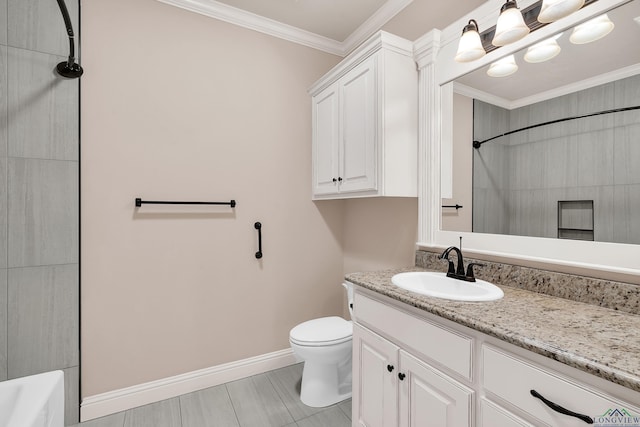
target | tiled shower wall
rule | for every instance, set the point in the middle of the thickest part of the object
(39, 196)
(519, 179)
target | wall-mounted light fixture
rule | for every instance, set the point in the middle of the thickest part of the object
(529, 15)
(592, 30)
(543, 51)
(503, 67)
(470, 46)
(514, 24)
(511, 26)
(552, 10)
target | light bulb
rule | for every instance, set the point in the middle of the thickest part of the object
(592, 30)
(470, 47)
(510, 26)
(543, 51)
(552, 10)
(503, 67)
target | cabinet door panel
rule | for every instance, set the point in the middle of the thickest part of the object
(326, 140)
(429, 398)
(375, 366)
(358, 148)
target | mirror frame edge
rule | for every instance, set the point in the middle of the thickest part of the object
(437, 70)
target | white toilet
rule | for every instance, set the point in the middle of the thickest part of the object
(325, 346)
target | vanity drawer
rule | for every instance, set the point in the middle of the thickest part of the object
(446, 347)
(512, 379)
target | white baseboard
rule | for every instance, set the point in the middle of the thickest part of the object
(114, 401)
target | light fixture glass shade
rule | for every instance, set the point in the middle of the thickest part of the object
(592, 30)
(543, 51)
(510, 26)
(552, 10)
(470, 46)
(503, 67)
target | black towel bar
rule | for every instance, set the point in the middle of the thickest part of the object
(457, 206)
(139, 203)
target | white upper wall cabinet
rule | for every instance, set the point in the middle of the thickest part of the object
(365, 123)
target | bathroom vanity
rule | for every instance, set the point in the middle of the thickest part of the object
(426, 361)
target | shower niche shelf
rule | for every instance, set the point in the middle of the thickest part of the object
(575, 219)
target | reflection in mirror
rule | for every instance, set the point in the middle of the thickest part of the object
(576, 179)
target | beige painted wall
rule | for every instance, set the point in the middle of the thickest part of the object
(462, 168)
(178, 106)
(380, 233)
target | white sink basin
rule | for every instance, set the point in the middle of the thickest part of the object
(440, 286)
(33, 401)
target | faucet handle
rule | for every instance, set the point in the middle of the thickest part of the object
(452, 267)
(470, 269)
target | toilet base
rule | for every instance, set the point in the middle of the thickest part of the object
(320, 383)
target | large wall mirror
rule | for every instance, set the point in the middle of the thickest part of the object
(563, 184)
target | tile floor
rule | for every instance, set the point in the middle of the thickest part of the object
(271, 399)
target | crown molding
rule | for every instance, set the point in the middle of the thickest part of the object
(577, 86)
(252, 21)
(369, 27)
(598, 80)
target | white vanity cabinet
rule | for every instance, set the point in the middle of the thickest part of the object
(417, 369)
(394, 386)
(364, 121)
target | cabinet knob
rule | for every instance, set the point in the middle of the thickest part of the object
(334, 180)
(401, 376)
(339, 179)
(390, 368)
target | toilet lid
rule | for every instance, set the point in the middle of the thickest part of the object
(326, 330)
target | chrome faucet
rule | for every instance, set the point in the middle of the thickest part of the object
(458, 272)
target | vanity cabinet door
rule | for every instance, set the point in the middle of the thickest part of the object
(375, 370)
(429, 398)
(326, 139)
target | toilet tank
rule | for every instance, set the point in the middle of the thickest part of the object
(349, 287)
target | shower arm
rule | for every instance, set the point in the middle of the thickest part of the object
(69, 68)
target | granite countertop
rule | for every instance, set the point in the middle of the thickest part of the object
(600, 341)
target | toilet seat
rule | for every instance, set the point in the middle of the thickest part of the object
(324, 331)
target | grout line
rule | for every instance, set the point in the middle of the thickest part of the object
(43, 159)
(279, 395)
(232, 405)
(6, 241)
(42, 265)
(266, 374)
(6, 340)
(343, 411)
(180, 408)
(124, 419)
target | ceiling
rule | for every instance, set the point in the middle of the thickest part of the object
(335, 26)
(334, 19)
